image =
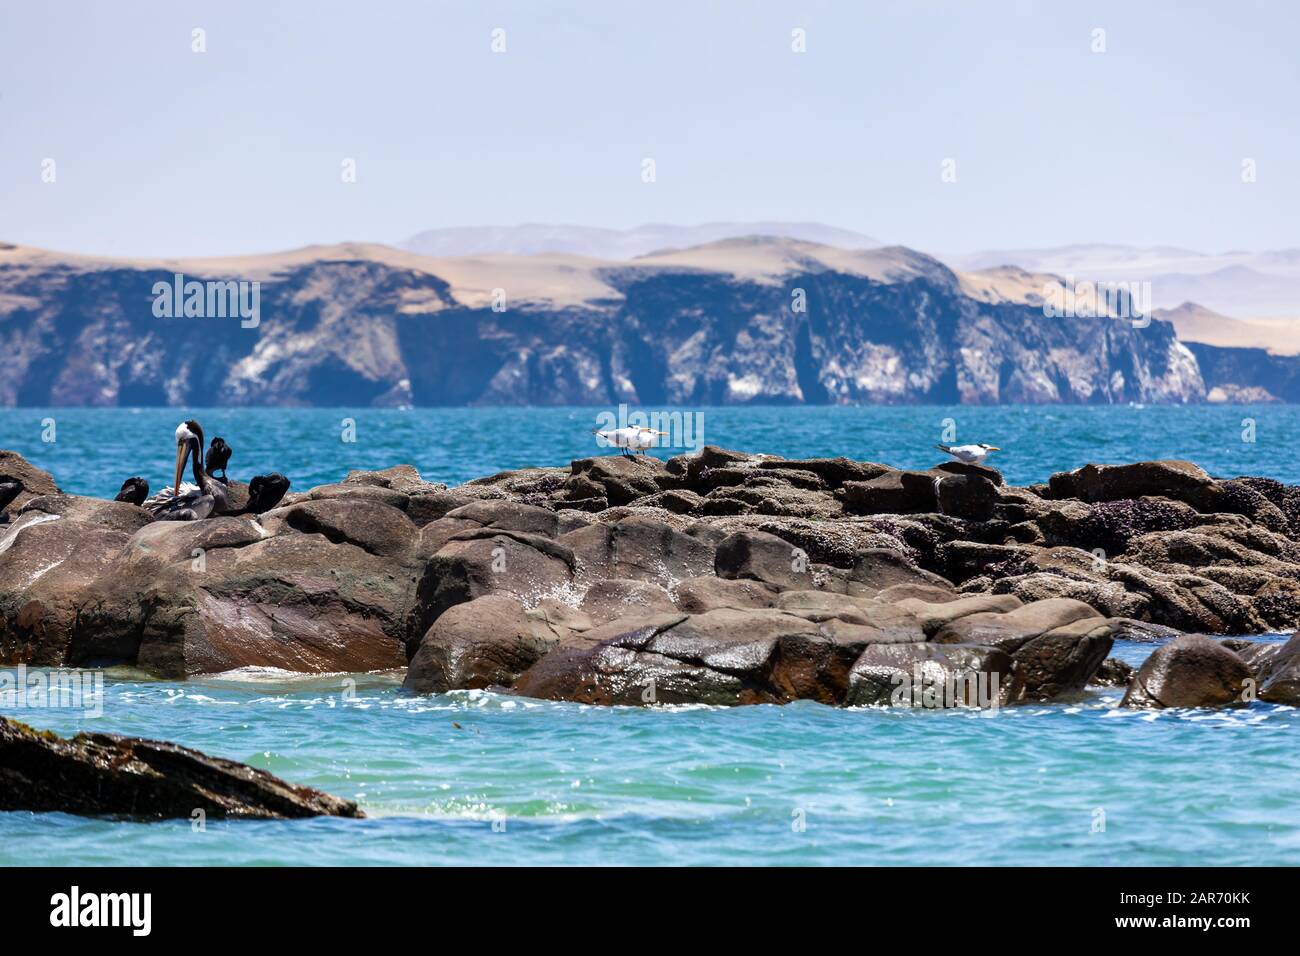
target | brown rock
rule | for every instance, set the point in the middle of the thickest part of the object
(1189, 671)
(483, 643)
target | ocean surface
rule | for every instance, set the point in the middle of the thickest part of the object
(481, 778)
(93, 450)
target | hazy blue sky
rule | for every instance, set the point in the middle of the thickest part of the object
(160, 150)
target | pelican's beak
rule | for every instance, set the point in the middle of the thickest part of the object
(182, 452)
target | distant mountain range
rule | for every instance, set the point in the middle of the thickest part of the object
(739, 320)
(1263, 287)
(533, 239)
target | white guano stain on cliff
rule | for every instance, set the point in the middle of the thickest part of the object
(22, 525)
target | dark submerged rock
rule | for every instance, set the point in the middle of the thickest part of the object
(1113, 672)
(111, 775)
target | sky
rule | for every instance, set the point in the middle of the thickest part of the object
(159, 150)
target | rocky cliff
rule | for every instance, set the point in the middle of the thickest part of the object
(738, 321)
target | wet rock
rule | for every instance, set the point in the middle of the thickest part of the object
(608, 665)
(1282, 685)
(1189, 671)
(209, 596)
(486, 642)
(723, 656)
(1061, 661)
(1143, 632)
(1113, 672)
(110, 775)
(476, 563)
(354, 575)
(927, 675)
(1260, 656)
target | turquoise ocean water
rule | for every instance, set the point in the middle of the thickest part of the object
(473, 777)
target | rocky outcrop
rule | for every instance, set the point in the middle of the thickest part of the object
(1189, 671)
(110, 775)
(716, 577)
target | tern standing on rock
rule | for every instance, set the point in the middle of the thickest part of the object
(969, 454)
(631, 438)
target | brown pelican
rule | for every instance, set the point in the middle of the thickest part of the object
(134, 491)
(218, 458)
(189, 502)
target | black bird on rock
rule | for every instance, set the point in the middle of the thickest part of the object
(134, 491)
(218, 458)
(9, 490)
(265, 492)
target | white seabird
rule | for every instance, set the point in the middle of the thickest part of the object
(969, 454)
(631, 438)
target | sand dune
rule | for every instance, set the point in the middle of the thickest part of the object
(1196, 323)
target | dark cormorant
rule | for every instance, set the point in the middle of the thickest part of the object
(265, 492)
(9, 490)
(218, 458)
(134, 491)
